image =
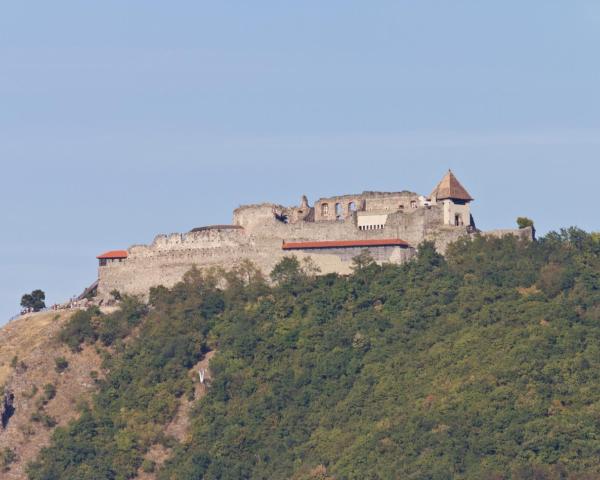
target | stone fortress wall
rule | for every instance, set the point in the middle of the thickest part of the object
(259, 233)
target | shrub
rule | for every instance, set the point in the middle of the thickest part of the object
(116, 295)
(60, 364)
(41, 417)
(7, 457)
(49, 392)
(148, 466)
(78, 329)
(524, 222)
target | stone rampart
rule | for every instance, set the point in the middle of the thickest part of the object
(169, 257)
(527, 233)
(258, 232)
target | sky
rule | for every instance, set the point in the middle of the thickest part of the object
(122, 120)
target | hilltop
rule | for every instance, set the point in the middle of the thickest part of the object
(480, 364)
(331, 231)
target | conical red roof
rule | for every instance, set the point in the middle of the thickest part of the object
(450, 188)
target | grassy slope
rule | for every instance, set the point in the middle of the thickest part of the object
(32, 339)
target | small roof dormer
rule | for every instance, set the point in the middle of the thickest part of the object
(450, 188)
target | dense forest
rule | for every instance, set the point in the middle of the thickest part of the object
(483, 364)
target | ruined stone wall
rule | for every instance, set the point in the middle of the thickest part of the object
(413, 226)
(391, 202)
(169, 257)
(364, 202)
(527, 233)
(250, 216)
(148, 266)
(326, 208)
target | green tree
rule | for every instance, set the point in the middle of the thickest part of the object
(287, 271)
(362, 261)
(483, 363)
(34, 300)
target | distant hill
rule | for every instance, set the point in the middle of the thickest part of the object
(484, 364)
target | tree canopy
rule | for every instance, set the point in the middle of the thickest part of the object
(483, 364)
(34, 300)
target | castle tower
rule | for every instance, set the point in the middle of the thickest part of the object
(455, 199)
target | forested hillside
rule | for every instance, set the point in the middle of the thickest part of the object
(484, 364)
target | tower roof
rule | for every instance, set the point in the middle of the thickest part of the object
(450, 188)
(113, 254)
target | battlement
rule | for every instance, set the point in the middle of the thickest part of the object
(390, 225)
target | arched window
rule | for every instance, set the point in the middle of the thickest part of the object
(413, 204)
(351, 207)
(339, 214)
(325, 209)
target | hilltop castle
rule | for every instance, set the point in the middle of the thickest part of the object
(333, 231)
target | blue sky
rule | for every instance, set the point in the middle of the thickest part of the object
(121, 120)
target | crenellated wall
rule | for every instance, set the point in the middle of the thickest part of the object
(260, 239)
(258, 232)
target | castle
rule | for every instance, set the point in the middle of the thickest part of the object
(390, 225)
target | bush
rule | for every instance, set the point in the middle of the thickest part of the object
(49, 392)
(524, 222)
(148, 466)
(41, 417)
(61, 364)
(78, 329)
(116, 295)
(7, 457)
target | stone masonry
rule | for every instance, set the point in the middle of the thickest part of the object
(390, 225)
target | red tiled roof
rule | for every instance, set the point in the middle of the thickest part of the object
(113, 254)
(389, 242)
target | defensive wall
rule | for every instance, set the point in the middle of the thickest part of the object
(390, 225)
(260, 240)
